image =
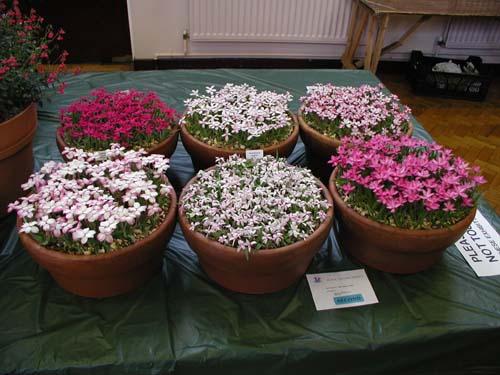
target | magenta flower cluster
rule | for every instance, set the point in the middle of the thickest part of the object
(131, 118)
(96, 202)
(405, 182)
(364, 111)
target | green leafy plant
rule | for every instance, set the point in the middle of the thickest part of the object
(27, 42)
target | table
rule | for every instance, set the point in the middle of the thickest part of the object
(444, 320)
(374, 16)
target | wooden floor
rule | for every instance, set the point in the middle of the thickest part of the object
(471, 129)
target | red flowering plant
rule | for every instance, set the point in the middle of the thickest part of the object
(26, 42)
(407, 183)
(134, 119)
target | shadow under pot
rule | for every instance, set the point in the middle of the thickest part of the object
(263, 271)
(16, 155)
(110, 274)
(391, 249)
(203, 155)
(319, 148)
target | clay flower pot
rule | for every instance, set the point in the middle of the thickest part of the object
(109, 274)
(204, 155)
(390, 249)
(264, 271)
(16, 155)
(166, 147)
(319, 148)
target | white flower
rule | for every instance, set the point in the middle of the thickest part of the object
(83, 235)
(29, 227)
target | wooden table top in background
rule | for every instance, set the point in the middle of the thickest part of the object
(482, 8)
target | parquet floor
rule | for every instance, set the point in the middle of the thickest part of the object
(471, 129)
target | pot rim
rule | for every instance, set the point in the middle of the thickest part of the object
(294, 134)
(384, 227)
(334, 142)
(175, 130)
(326, 224)
(20, 114)
(55, 254)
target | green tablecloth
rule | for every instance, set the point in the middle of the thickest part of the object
(445, 320)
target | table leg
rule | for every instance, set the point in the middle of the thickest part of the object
(384, 20)
(350, 32)
(370, 40)
(358, 28)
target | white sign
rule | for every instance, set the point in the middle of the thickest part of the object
(101, 155)
(480, 246)
(254, 154)
(336, 290)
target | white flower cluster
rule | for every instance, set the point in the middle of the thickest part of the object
(95, 197)
(360, 111)
(239, 109)
(253, 205)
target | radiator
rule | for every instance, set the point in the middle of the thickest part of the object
(473, 32)
(293, 21)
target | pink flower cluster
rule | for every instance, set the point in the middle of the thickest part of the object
(358, 111)
(96, 202)
(131, 118)
(405, 174)
(7, 64)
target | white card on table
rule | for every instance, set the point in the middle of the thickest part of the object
(336, 290)
(480, 246)
(254, 154)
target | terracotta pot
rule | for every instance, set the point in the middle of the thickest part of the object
(390, 249)
(166, 147)
(16, 155)
(110, 274)
(204, 155)
(319, 148)
(265, 271)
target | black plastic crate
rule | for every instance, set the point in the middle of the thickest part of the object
(451, 85)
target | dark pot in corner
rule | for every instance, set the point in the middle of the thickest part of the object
(16, 155)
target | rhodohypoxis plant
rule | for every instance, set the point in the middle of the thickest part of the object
(96, 202)
(26, 42)
(339, 111)
(131, 118)
(238, 117)
(408, 183)
(254, 205)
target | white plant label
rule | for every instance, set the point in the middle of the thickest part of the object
(254, 154)
(337, 290)
(480, 246)
(101, 155)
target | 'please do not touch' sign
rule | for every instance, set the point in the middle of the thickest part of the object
(480, 246)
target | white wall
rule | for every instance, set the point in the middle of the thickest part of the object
(157, 26)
